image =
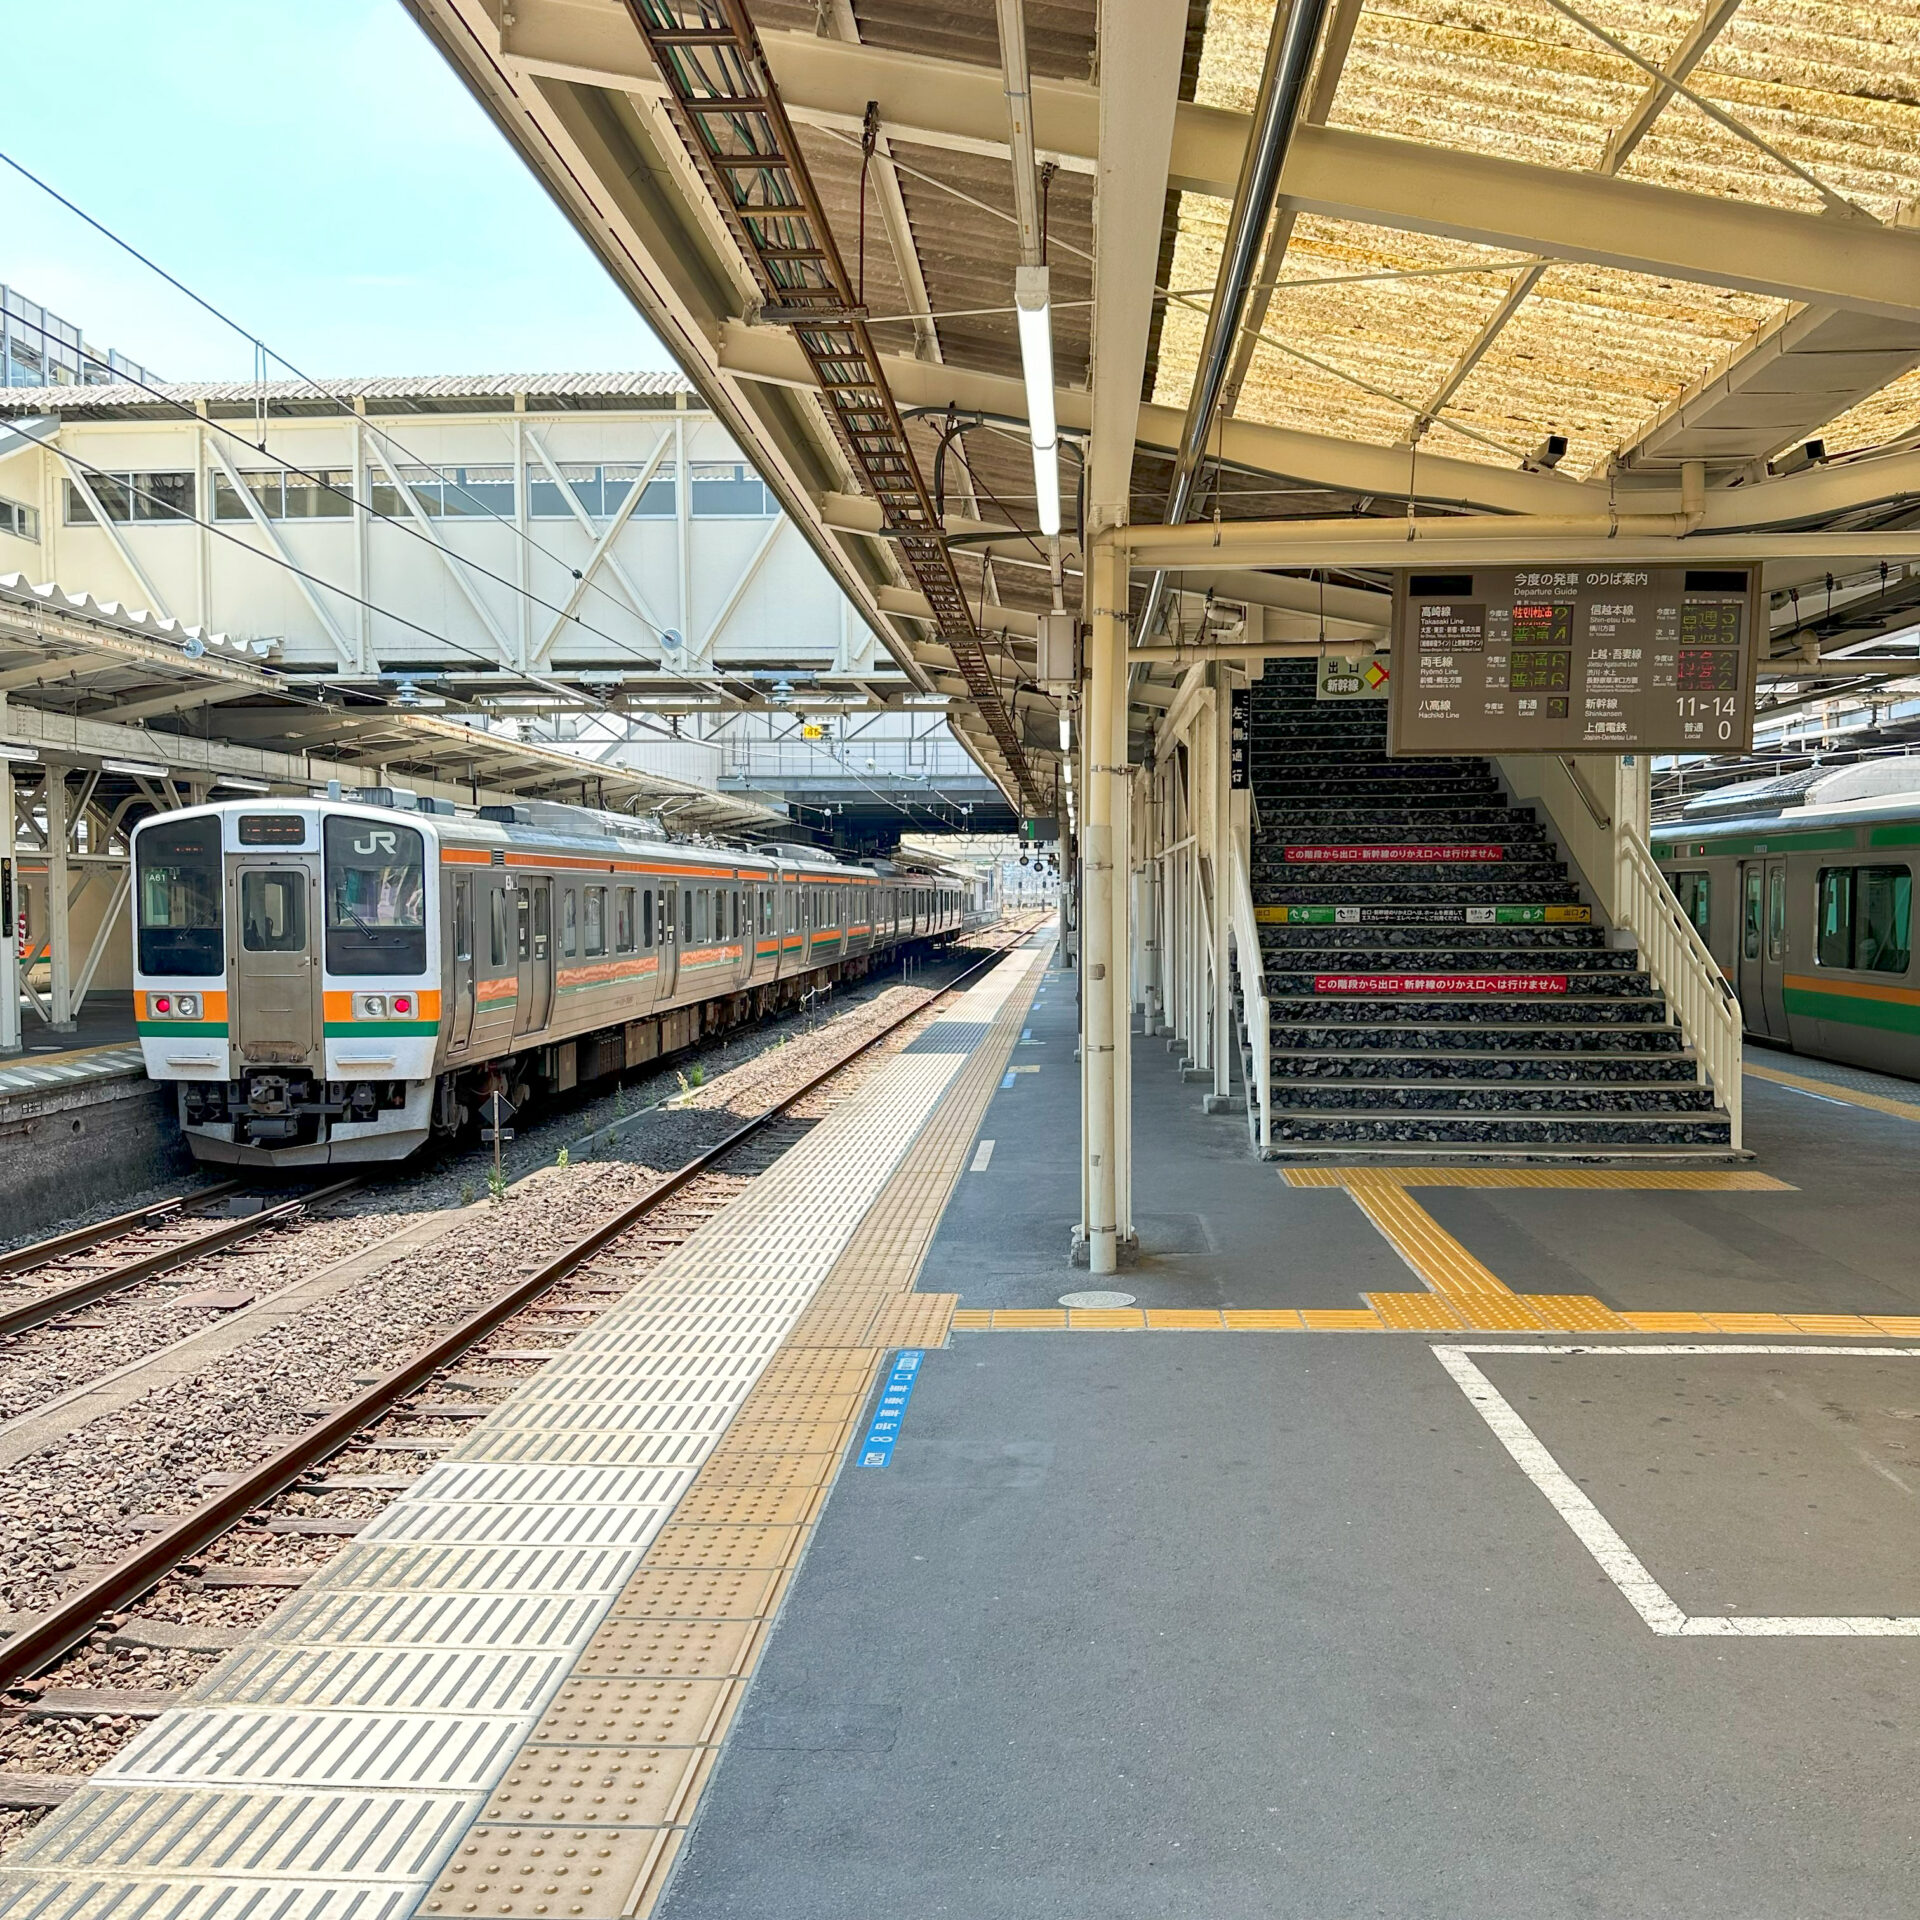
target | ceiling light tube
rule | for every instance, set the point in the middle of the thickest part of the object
(139, 769)
(1034, 313)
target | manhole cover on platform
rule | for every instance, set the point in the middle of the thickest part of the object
(1096, 1297)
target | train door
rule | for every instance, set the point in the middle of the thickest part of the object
(460, 979)
(667, 924)
(534, 948)
(275, 969)
(1763, 946)
(740, 923)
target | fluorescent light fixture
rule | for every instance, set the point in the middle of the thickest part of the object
(239, 785)
(1066, 730)
(138, 768)
(29, 754)
(1034, 311)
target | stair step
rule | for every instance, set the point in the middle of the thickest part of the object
(1408, 1010)
(1310, 1037)
(1484, 1069)
(1505, 1130)
(1473, 1097)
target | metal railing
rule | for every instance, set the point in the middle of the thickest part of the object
(1681, 966)
(1251, 966)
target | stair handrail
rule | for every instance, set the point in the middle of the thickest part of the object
(1251, 965)
(1684, 969)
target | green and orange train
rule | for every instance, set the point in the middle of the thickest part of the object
(1802, 887)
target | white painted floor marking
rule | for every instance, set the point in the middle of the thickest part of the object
(982, 1154)
(1596, 1533)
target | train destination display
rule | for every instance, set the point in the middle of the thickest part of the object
(1596, 659)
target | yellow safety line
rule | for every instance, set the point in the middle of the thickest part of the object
(1831, 1090)
(1433, 1313)
(1676, 1179)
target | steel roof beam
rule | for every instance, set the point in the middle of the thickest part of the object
(1356, 176)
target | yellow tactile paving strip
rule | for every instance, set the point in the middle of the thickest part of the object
(1465, 1295)
(1832, 1090)
(589, 1819)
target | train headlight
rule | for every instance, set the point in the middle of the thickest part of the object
(369, 1006)
(187, 1006)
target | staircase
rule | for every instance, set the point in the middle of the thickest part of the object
(1436, 982)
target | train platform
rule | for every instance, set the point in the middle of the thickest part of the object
(78, 1114)
(1524, 1540)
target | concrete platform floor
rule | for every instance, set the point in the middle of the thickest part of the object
(1159, 1623)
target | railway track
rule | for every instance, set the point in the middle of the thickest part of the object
(673, 1208)
(68, 1261)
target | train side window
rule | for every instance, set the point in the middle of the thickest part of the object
(496, 927)
(463, 918)
(626, 934)
(1750, 916)
(646, 916)
(1865, 919)
(1883, 920)
(1833, 930)
(595, 916)
(570, 924)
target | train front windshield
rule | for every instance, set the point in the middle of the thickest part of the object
(376, 898)
(179, 881)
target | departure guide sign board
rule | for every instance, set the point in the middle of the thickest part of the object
(1595, 659)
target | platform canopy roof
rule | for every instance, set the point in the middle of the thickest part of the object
(136, 697)
(1587, 271)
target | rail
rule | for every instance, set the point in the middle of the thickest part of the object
(1683, 969)
(60, 1629)
(1251, 966)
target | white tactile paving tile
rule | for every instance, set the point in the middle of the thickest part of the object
(327, 1768)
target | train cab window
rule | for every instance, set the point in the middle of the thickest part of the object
(1865, 919)
(595, 915)
(1750, 916)
(273, 911)
(625, 921)
(497, 927)
(179, 889)
(376, 897)
(569, 924)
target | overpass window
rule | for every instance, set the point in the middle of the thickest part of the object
(1865, 919)
(730, 490)
(449, 493)
(596, 919)
(323, 494)
(132, 496)
(22, 522)
(601, 490)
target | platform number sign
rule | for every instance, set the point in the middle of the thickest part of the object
(1239, 736)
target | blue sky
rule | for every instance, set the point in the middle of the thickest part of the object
(312, 167)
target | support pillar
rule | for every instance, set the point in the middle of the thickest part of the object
(59, 902)
(1106, 692)
(1220, 857)
(10, 911)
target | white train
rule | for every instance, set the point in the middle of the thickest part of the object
(333, 981)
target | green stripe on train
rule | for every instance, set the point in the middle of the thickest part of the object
(381, 1029)
(172, 1029)
(1844, 1009)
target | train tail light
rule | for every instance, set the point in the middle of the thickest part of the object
(162, 1004)
(403, 1003)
